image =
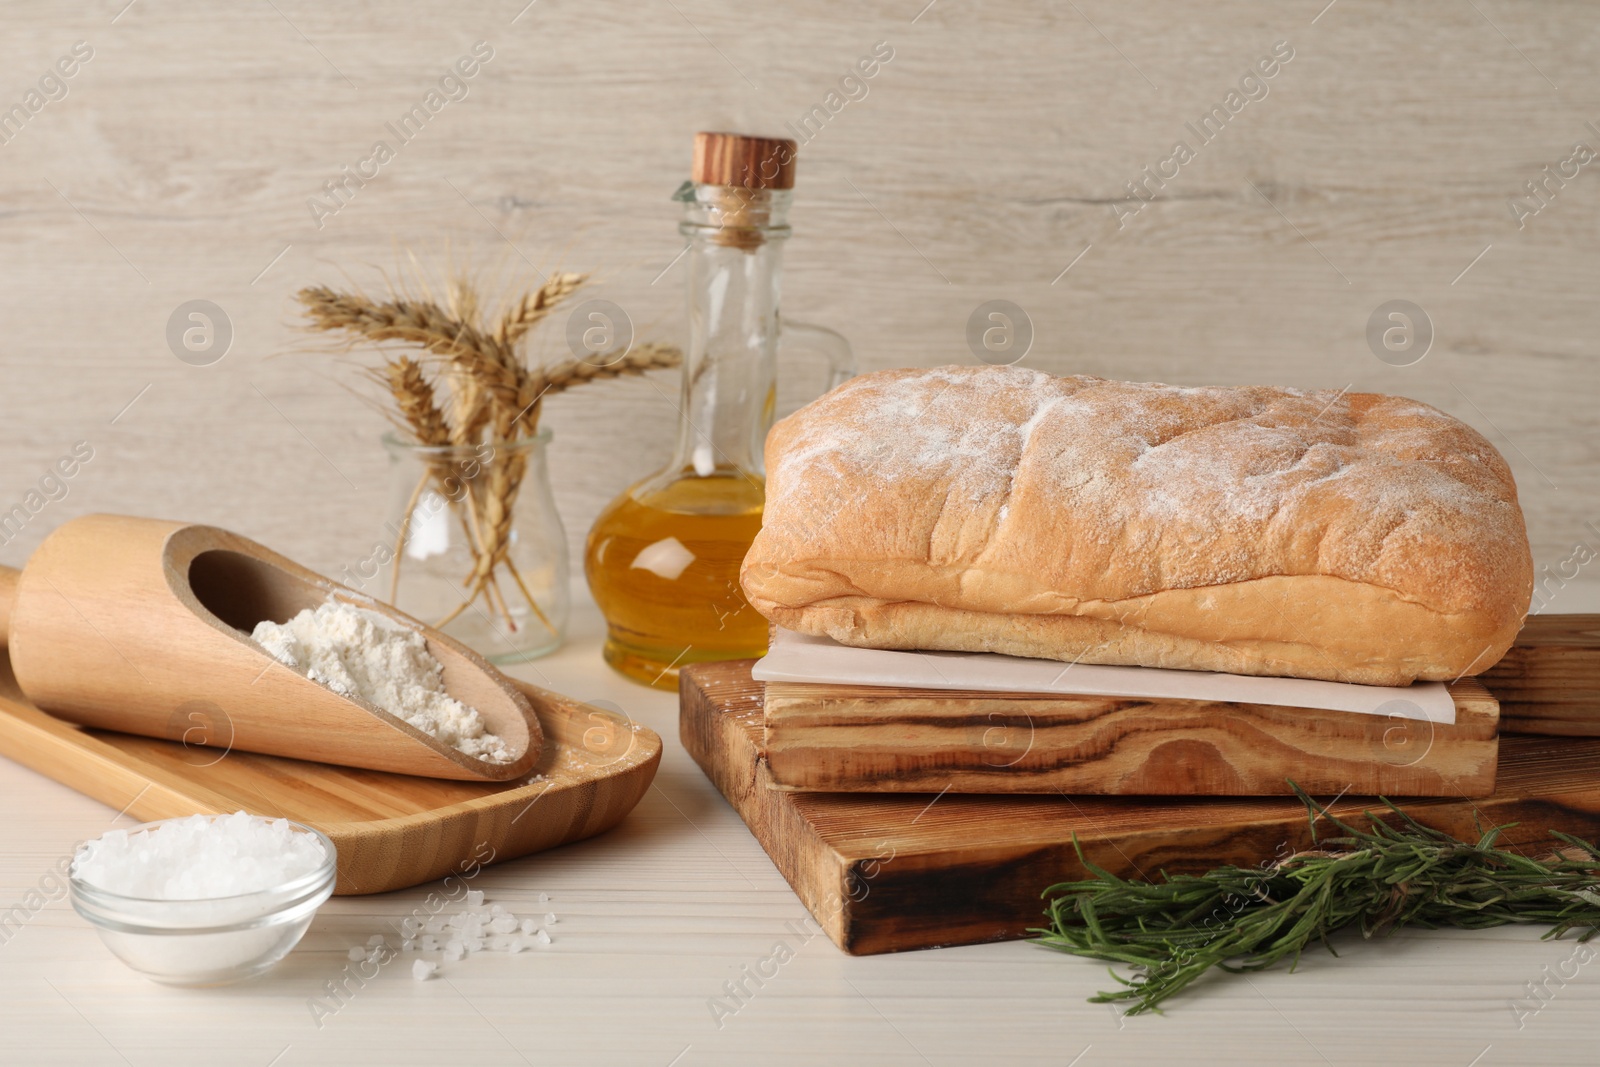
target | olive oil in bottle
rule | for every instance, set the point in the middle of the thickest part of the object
(663, 558)
(663, 563)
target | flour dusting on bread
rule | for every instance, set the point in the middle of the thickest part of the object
(995, 489)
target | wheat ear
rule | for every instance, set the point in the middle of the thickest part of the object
(526, 313)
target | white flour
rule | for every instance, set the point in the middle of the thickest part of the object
(362, 654)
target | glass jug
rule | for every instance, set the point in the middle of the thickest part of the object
(663, 558)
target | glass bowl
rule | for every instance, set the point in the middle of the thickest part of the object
(209, 941)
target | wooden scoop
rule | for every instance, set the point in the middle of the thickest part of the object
(142, 626)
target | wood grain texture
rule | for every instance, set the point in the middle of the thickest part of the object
(743, 161)
(142, 625)
(8, 594)
(882, 873)
(985, 157)
(849, 739)
(1549, 681)
(391, 830)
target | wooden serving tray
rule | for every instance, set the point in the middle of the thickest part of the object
(885, 872)
(839, 738)
(391, 830)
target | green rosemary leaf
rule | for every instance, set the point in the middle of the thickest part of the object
(1172, 932)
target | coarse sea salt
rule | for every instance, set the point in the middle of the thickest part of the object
(362, 654)
(199, 858)
(478, 926)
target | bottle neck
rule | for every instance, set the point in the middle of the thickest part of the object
(734, 273)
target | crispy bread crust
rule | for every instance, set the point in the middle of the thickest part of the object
(1254, 530)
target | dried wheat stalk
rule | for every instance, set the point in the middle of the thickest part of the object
(492, 396)
(414, 398)
(418, 322)
(526, 313)
(420, 417)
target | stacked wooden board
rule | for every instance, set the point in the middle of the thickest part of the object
(870, 739)
(882, 872)
(1549, 681)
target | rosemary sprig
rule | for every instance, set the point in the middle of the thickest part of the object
(1241, 919)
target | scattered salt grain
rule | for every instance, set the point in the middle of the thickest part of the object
(375, 940)
(475, 927)
(199, 858)
(356, 954)
(550, 919)
(544, 898)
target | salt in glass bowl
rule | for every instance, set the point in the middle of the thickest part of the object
(209, 941)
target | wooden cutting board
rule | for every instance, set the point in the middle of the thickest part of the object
(1549, 681)
(839, 738)
(391, 830)
(885, 872)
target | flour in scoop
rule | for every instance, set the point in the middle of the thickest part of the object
(359, 653)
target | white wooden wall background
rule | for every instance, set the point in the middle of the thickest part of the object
(979, 166)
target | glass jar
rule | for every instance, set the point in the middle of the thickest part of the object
(473, 546)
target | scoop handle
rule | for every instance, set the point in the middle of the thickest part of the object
(8, 593)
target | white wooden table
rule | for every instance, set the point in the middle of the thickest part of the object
(658, 914)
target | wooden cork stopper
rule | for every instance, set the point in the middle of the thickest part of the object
(744, 162)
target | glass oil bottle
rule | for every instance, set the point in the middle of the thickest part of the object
(663, 558)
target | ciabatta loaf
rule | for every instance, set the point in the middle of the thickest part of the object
(1255, 530)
